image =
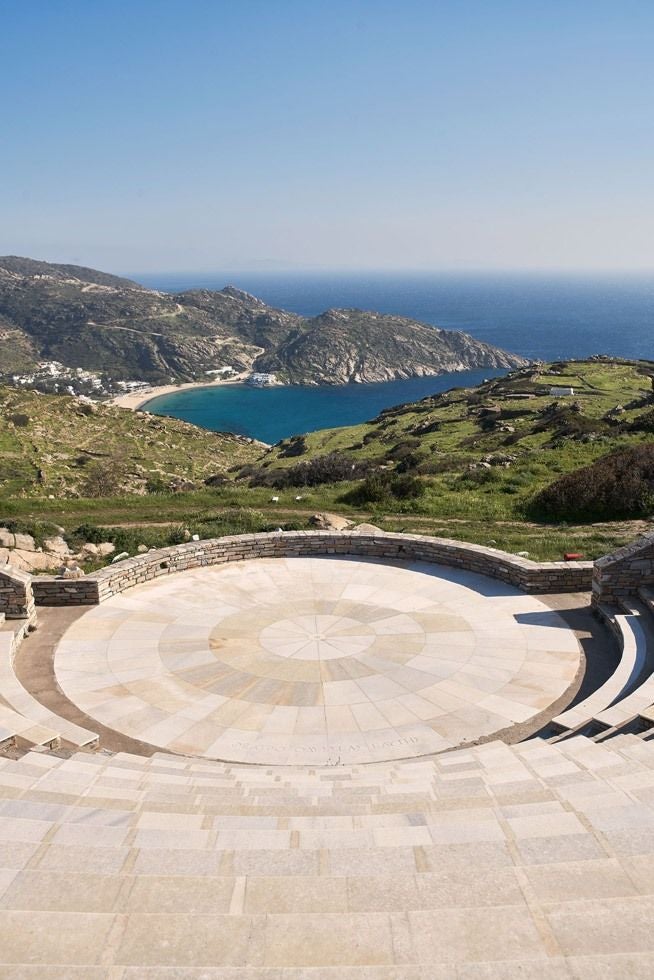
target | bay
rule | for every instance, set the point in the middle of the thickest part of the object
(270, 414)
(541, 316)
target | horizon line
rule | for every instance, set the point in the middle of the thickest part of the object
(397, 271)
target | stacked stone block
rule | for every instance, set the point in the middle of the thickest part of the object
(623, 573)
(16, 596)
(545, 577)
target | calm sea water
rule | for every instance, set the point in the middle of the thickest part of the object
(538, 316)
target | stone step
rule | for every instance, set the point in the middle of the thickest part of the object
(40, 720)
(554, 857)
(633, 659)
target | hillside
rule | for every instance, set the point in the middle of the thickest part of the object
(86, 319)
(67, 447)
(486, 449)
(356, 346)
(467, 464)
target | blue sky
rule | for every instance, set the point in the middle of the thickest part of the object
(157, 135)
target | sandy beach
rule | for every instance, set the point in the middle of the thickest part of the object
(135, 400)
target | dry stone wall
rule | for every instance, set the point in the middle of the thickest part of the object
(527, 575)
(16, 596)
(624, 572)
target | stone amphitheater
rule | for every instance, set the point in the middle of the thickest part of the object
(331, 756)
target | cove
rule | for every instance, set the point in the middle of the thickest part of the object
(271, 414)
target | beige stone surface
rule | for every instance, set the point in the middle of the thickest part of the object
(34, 561)
(316, 660)
(329, 522)
(188, 869)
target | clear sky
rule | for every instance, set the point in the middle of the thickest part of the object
(196, 135)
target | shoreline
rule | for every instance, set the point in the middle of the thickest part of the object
(136, 401)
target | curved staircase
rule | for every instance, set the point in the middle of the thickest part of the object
(25, 720)
(491, 862)
(625, 702)
(532, 860)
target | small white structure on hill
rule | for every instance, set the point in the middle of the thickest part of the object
(559, 391)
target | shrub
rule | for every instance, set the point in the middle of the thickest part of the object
(565, 422)
(177, 535)
(296, 446)
(155, 484)
(91, 533)
(332, 468)
(382, 486)
(217, 480)
(404, 448)
(620, 485)
(409, 462)
(104, 478)
(375, 489)
(407, 487)
(643, 423)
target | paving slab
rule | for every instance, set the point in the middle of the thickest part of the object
(316, 661)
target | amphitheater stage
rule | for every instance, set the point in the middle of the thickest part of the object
(317, 661)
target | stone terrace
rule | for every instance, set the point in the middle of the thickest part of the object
(530, 860)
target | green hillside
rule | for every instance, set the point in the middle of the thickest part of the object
(68, 447)
(483, 451)
(467, 464)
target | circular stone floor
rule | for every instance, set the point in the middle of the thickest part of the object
(316, 660)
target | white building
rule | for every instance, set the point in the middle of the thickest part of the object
(262, 380)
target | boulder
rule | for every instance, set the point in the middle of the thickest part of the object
(329, 522)
(142, 548)
(89, 550)
(71, 570)
(57, 546)
(25, 542)
(500, 459)
(34, 561)
(179, 485)
(7, 539)
(106, 548)
(367, 529)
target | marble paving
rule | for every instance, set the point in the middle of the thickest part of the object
(316, 661)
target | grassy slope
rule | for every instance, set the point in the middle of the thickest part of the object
(461, 439)
(453, 505)
(62, 441)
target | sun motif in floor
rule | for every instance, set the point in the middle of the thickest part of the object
(316, 660)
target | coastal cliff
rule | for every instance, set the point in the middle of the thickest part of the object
(82, 318)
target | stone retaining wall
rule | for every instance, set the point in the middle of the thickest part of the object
(527, 575)
(16, 597)
(624, 572)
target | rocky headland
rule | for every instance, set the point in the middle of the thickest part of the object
(116, 330)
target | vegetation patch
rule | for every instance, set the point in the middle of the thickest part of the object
(620, 485)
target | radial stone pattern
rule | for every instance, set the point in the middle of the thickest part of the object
(316, 660)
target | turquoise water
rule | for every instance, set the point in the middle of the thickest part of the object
(539, 316)
(271, 414)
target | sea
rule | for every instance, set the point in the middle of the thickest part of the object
(541, 316)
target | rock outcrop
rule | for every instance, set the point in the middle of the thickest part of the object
(88, 319)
